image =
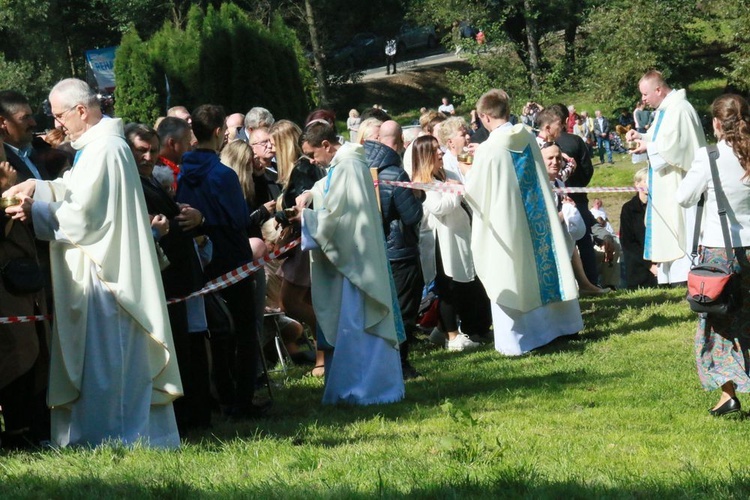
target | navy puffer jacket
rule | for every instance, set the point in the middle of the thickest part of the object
(400, 208)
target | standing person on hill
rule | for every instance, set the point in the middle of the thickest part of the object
(671, 144)
(355, 304)
(391, 47)
(113, 369)
(601, 132)
(722, 343)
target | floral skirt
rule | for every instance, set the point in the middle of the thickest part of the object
(722, 344)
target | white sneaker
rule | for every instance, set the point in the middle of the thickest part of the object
(437, 337)
(462, 342)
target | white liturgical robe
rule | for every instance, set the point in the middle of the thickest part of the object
(351, 289)
(113, 371)
(672, 141)
(519, 246)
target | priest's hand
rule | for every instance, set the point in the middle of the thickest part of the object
(189, 218)
(303, 201)
(633, 135)
(639, 149)
(21, 211)
(27, 188)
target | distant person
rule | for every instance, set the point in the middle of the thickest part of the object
(446, 107)
(235, 123)
(352, 124)
(391, 48)
(257, 117)
(601, 132)
(641, 118)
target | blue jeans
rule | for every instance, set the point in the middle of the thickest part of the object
(603, 141)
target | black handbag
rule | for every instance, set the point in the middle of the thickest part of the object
(22, 275)
(714, 288)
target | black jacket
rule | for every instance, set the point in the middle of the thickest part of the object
(184, 275)
(400, 208)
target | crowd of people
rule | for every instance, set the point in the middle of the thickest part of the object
(116, 227)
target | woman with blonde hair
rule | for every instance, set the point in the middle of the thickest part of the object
(297, 174)
(722, 343)
(461, 293)
(369, 130)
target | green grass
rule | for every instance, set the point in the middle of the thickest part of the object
(618, 413)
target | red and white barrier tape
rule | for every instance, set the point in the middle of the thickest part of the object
(12, 320)
(239, 274)
(214, 285)
(459, 188)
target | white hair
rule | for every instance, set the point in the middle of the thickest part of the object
(258, 117)
(73, 92)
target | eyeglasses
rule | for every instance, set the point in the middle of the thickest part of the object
(265, 143)
(59, 116)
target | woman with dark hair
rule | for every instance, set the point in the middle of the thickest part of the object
(461, 293)
(722, 343)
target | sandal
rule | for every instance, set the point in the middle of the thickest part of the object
(317, 371)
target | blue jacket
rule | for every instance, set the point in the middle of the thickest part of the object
(213, 188)
(400, 208)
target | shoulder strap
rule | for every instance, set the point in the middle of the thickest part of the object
(721, 200)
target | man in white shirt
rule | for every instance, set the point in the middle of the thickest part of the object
(446, 107)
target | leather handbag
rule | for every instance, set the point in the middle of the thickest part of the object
(714, 288)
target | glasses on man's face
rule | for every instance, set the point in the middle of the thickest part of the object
(59, 116)
(265, 143)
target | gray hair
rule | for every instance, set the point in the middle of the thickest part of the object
(163, 175)
(258, 117)
(73, 92)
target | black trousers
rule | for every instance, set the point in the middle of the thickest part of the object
(388, 61)
(407, 276)
(194, 408)
(467, 301)
(235, 359)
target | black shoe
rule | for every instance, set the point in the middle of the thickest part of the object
(409, 371)
(732, 405)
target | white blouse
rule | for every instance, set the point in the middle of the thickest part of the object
(737, 190)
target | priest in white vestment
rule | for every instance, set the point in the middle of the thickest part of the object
(671, 143)
(520, 251)
(113, 373)
(353, 297)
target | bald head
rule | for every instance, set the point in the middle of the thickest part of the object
(391, 135)
(234, 122)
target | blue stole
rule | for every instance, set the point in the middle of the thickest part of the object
(550, 286)
(647, 241)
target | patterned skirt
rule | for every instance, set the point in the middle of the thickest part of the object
(722, 344)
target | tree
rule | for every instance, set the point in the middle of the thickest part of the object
(136, 97)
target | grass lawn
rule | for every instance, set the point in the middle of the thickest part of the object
(617, 413)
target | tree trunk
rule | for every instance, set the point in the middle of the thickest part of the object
(570, 47)
(320, 75)
(533, 44)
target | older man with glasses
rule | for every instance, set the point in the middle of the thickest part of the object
(113, 371)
